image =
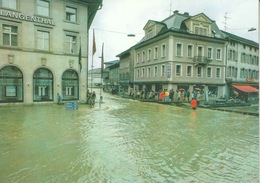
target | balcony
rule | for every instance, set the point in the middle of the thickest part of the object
(201, 60)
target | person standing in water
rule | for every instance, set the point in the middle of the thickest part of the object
(193, 103)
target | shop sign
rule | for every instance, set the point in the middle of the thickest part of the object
(28, 18)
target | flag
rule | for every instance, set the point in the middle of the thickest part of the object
(80, 59)
(94, 44)
(102, 61)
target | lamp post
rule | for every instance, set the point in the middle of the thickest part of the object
(251, 29)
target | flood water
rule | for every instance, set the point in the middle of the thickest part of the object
(127, 141)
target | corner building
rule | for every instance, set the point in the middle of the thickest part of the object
(40, 43)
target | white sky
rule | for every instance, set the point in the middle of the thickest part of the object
(118, 18)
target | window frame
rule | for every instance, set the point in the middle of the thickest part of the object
(71, 14)
(39, 11)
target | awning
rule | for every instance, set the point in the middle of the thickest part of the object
(245, 88)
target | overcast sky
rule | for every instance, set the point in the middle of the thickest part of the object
(118, 18)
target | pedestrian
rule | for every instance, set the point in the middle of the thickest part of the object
(171, 94)
(193, 103)
(161, 96)
(188, 95)
(59, 98)
(179, 95)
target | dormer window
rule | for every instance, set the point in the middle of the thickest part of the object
(201, 31)
(149, 34)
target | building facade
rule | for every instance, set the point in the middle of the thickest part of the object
(242, 67)
(186, 52)
(43, 49)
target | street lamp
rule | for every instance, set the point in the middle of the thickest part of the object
(131, 35)
(252, 29)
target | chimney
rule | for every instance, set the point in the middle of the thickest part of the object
(176, 11)
(186, 13)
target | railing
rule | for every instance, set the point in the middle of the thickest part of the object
(201, 60)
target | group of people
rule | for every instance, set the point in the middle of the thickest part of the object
(91, 97)
(168, 96)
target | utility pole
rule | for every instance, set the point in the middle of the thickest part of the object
(225, 23)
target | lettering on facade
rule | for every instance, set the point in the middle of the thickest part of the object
(21, 16)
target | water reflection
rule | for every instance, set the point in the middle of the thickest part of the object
(127, 141)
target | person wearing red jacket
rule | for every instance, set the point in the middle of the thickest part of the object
(193, 103)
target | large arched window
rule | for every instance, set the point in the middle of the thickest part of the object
(70, 85)
(11, 84)
(42, 85)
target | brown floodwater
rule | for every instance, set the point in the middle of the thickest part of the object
(127, 141)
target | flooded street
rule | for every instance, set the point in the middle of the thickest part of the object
(127, 141)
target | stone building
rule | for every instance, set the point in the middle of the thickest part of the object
(43, 49)
(183, 52)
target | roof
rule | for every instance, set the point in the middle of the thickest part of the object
(114, 65)
(93, 7)
(240, 39)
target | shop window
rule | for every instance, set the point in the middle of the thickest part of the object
(71, 14)
(42, 85)
(9, 35)
(43, 8)
(70, 85)
(11, 85)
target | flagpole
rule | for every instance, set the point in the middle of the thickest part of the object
(93, 52)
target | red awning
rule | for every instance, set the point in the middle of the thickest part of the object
(246, 88)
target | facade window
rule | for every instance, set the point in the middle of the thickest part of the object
(143, 56)
(178, 70)
(70, 44)
(43, 40)
(43, 8)
(242, 72)
(210, 53)
(189, 70)
(218, 73)
(199, 72)
(179, 49)
(155, 71)
(70, 85)
(42, 85)
(138, 73)
(142, 72)
(200, 51)
(71, 14)
(9, 35)
(243, 57)
(163, 53)
(156, 53)
(209, 70)
(12, 4)
(149, 55)
(163, 70)
(190, 53)
(218, 54)
(138, 58)
(148, 72)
